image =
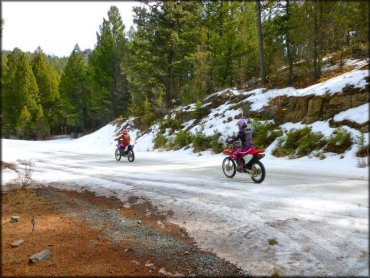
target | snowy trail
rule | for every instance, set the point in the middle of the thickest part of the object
(320, 222)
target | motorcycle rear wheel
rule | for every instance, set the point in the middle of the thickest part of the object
(258, 172)
(117, 155)
(229, 167)
(130, 156)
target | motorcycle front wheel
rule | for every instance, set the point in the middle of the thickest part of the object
(117, 155)
(258, 172)
(229, 167)
(130, 156)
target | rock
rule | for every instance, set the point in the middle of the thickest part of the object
(43, 255)
(359, 99)
(14, 219)
(17, 243)
(314, 109)
(340, 102)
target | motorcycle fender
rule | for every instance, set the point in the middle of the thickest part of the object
(248, 158)
(255, 158)
(260, 156)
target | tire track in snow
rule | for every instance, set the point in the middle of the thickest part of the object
(228, 208)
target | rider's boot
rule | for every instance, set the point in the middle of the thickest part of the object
(239, 167)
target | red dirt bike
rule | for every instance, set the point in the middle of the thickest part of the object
(125, 152)
(253, 167)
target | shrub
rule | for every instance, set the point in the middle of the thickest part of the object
(199, 111)
(272, 241)
(363, 149)
(182, 139)
(281, 152)
(264, 133)
(172, 124)
(170, 143)
(362, 162)
(24, 179)
(216, 146)
(320, 155)
(339, 141)
(299, 142)
(294, 136)
(309, 142)
(159, 141)
(200, 142)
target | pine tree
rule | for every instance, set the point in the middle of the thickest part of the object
(23, 124)
(19, 90)
(107, 67)
(74, 93)
(40, 126)
(48, 85)
(162, 49)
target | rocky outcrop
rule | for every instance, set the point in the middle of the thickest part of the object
(361, 127)
(306, 109)
(312, 108)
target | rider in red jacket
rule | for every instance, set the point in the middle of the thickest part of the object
(123, 139)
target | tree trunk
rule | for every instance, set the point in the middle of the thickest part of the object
(169, 87)
(260, 44)
(288, 45)
(316, 43)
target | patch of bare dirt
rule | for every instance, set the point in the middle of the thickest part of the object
(5, 165)
(90, 235)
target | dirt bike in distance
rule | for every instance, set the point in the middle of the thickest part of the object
(253, 167)
(129, 153)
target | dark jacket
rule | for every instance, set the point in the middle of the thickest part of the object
(245, 136)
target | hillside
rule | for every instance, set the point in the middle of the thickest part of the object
(308, 217)
(334, 113)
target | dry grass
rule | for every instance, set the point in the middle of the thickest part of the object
(25, 171)
(333, 73)
(16, 190)
(25, 179)
(363, 162)
(17, 195)
(272, 241)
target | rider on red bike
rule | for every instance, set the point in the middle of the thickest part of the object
(123, 139)
(245, 136)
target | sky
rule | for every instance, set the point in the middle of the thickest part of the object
(57, 26)
(316, 210)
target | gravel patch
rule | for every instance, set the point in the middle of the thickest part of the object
(178, 254)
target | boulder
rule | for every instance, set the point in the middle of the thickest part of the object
(14, 219)
(43, 255)
(17, 243)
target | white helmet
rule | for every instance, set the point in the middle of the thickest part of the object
(242, 123)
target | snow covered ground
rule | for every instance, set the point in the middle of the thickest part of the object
(316, 210)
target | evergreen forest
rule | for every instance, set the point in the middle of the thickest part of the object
(178, 52)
